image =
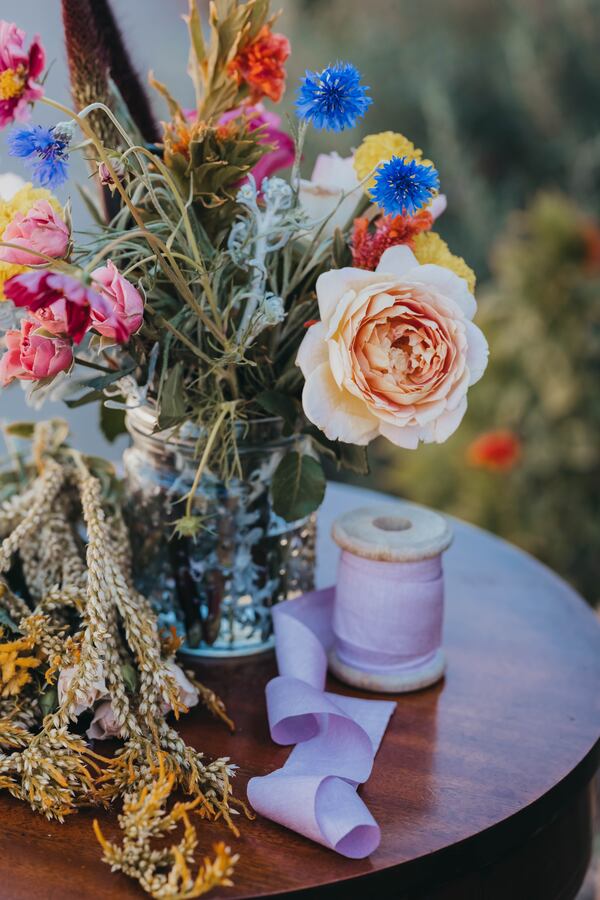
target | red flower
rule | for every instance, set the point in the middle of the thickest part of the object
(369, 245)
(260, 65)
(38, 291)
(498, 451)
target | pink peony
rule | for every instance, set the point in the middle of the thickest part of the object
(104, 724)
(39, 290)
(41, 230)
(394, 354)
(282, 154)
(126, 305)
(32, 355)
(19, 69)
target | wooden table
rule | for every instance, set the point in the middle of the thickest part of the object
(481, 786)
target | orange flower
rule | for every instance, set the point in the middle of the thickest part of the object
(368, 245)
(498, 451)
(260, 65)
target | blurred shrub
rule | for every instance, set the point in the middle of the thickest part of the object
(537, 481)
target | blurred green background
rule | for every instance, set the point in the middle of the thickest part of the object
(504, 96)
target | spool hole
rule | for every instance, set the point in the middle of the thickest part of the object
(392, 523)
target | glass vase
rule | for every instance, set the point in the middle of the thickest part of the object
(218, 587)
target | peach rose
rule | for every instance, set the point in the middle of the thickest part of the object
(394, 353)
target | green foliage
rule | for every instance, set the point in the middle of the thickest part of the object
(298, 486)
(542, 318)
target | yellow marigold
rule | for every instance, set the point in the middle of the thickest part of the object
(21, 202)
(378, 148)
(429, 247)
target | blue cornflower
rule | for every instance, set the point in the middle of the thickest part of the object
(402, 187)
(45, 150)
(334, 98)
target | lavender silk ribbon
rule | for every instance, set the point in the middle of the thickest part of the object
(336, 737)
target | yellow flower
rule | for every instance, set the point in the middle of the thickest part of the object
(21, 202)
(14, 668)
(429, 247)
(379, 148)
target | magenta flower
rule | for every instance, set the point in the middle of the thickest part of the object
(40, 290)
(32, 355)
(40, 230)
(126, 302)
(19, 69)
(282, 154)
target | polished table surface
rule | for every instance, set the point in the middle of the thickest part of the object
(481, 785)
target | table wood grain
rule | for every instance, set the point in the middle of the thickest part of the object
(481, 783)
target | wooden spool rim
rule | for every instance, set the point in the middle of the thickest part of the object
(399, 532)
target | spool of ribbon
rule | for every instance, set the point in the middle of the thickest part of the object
(389, 605)
(381, 624)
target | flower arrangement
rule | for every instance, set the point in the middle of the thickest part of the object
(214, 290)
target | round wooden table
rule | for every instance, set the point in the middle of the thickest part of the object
(482, 783)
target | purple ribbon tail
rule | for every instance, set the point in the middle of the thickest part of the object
(336, 737)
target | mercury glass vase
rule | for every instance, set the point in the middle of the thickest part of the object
(219, 587)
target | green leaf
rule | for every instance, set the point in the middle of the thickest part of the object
(281, 405)
(172, 398)
(112, 423)
(298, 486)
(49, 700)
(345, 456)
(130, 677)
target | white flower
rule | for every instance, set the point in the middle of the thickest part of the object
(9, 185)
(394, 353)
(332, 177)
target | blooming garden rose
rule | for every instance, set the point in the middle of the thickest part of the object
(40, 230)
(32, 355)
(394, 353)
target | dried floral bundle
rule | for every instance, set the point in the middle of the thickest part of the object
(215, 291)
(78, 642)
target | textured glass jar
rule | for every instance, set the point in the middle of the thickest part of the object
(217, 588)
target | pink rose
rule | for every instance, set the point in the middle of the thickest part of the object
(32, 356)
(283, 152)
(41, 230)
(394, 353)
(19, 69)
(126, 305)
(38, 290)
(97, 689)
(104, 725)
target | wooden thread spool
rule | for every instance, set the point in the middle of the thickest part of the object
(388, 610)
